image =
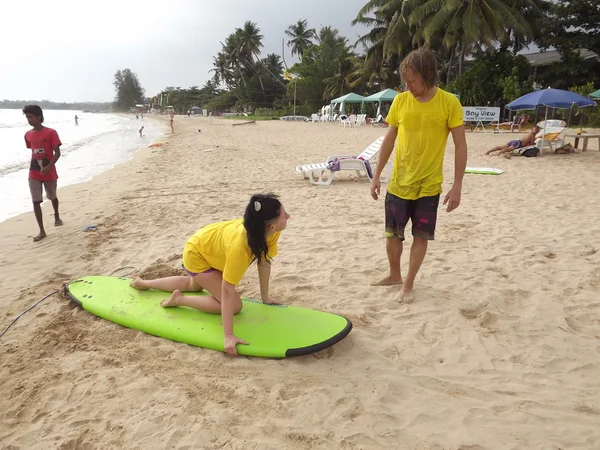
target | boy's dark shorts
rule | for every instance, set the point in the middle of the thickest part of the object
(421, 212)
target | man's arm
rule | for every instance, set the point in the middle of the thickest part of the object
(460, 164)
(460, 154)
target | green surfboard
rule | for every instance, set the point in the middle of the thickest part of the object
(271, 331)
(484, 170)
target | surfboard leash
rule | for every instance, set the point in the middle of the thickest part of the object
(64, 290)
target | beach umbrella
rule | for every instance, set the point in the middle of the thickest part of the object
(195, 108)
(550, 98)
(595, 95)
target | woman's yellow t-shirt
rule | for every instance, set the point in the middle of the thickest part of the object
(223, 246)
(422, 135)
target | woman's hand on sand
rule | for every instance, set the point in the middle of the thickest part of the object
(230, 344)
(375, 188)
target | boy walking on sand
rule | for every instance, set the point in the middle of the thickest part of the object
(45, 151)
(421, 120)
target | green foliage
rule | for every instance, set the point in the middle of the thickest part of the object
(588, 116)
(253, 80)
(183, 99)
(128, 90)
(570, 24)
(512, 85)
(301, 37)
(572, 70)
(284, 111)
(495, 78)
(221, 102)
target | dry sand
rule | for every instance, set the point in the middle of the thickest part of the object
(501, 350)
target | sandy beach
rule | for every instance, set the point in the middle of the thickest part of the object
(501, 349)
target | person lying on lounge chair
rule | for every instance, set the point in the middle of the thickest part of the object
(528, 139)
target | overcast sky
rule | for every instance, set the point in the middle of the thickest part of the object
(64, 50)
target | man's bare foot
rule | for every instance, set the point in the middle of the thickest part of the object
(387, 281)
(407, 295)
(173, 300)
(58, 223)
(138, 283)
(39, 237)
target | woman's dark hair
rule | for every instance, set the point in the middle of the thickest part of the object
(260, 210)
(35, 110)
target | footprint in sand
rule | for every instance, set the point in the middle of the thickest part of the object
(485, 319)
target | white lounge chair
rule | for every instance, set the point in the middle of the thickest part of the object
(322, 174)
(553, 128)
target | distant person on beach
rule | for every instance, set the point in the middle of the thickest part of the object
(45, 151)
(171, 114)
(511, 146)
(141, 129)
(216, 258)
(76, 120)
(420, 119)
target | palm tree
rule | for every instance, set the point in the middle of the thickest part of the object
(236, 60)
(344, 59)
(301, 37)
(330, 37)
(380, 68)
(249, 41)
(452, 28)
(459, 24)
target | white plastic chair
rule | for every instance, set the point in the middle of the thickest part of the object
(549, 127)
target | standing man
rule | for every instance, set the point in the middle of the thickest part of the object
(45, 151)
(421, 120)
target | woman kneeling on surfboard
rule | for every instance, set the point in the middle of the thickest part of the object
(216, 258)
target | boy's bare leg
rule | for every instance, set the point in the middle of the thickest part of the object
(417, 255)
(37, 209)
(393, 246)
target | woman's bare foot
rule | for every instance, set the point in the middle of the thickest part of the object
(138, 283)
(387, 281)
(39, 237)
(407, 295)
(173, 300)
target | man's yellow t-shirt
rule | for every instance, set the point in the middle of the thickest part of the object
(422, 135)
(223, 246)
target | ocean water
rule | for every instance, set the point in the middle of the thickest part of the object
(97, 144)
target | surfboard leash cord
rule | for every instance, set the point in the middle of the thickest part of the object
(63, 288)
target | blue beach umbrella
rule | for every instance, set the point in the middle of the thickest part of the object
(550, 98)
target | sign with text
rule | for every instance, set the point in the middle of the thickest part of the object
(481, 113)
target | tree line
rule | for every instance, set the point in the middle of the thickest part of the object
(477, 45)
